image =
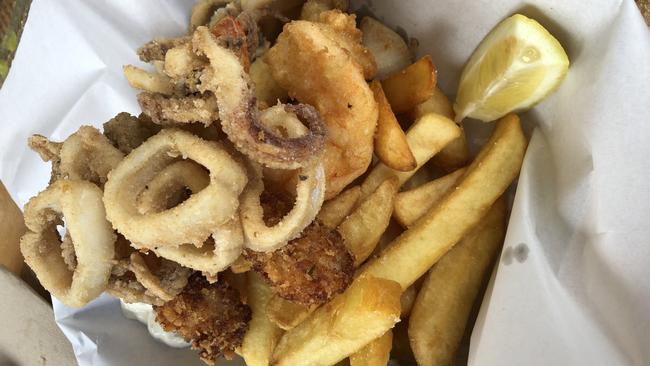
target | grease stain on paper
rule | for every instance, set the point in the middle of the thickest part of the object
(518, 253)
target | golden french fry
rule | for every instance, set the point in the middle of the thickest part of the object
(338, 208)
(241, 265)
(12, 227)
(391, 146)
(444, 303)
(411, 86)
(426, 137)
(389, 49)
(419, 247)
(267, 90)
(363, 228)
(456, 153)
(407, 300)
(375, 353)
(412, 204)
(286, 314)
(438, 103)
(262, 335)
(365, 311)
(149, 81)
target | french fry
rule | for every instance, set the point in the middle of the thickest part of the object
(407, 300)
(149, 81)
(262, 335)
(365, 311)
(411, 86)
(456, 153)
(426, 137)
(375, 353)
(389, 49)
(335, 210)
(391, 146)
(286, 314)
(443, 305)
(363, 228)
(412, 204)
(421, 246)
(438, 103)
(12, 227)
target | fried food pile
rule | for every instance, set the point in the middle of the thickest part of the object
(242, 203)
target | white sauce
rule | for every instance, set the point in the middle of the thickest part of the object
(145, 315)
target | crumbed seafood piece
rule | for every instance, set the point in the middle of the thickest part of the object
(163, 109)
(76, 269)
(340, 93)
(228, 79)
(210, 316)
(127, 132)
(343, 30)
(48, 151)
(310, 269)
(84, 155)
(139, 277)
(155, 50)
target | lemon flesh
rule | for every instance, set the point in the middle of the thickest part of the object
(516, 65)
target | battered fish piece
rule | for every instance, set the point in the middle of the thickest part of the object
(310, 269)
(210, 316)
(315, 69)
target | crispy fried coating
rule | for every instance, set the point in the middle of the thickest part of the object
(164, 109)
(155, 50)
(211, 316)
(140, 277)
(127, 132)
(48, 151)
(310, 269)
(339, 93)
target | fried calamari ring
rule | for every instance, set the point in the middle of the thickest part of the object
(170, 187)
(80, 203)
(88, 155)
(193, 220)
(84, 155)
(215, 255)
(227, 79)
(310, 193)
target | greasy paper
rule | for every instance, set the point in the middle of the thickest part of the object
(570, 287)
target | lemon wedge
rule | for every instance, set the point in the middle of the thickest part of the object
(516, 65)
